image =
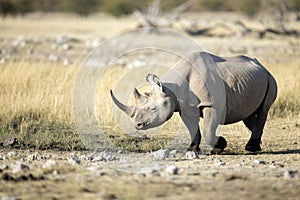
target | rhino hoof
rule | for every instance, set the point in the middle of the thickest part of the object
(253, 146)
(219, 146)
(194, 148)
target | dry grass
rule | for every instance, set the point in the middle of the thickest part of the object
(36, 104)
(41, 25)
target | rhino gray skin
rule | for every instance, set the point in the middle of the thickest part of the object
(248, 93)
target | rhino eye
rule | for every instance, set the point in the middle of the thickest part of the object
(165, 103)
(152, 108)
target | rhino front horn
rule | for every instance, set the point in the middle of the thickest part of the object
(127, 109)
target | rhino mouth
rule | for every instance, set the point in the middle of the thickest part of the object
(141, 125)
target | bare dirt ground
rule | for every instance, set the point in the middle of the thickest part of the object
(273, 173)
(236, 174)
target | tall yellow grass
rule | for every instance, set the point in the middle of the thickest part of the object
(36, 101)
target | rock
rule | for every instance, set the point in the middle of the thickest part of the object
(66, 62)
(259, 162)
(191, 155)
(10, 198)
(104, 156)
(53, 58)
(92, 43)
(49, 164)
(220, 164)
(19, 167)
(172, 170)
(160, 154)
(2, 157)
(173, 153)
(60, 39)
(11, 154)
(9, 142)
(2, 61)
(3, 167)
(86, 157)
(33, 156)
(108, 157)
(65, 47)
(74, 160)
(290, 173)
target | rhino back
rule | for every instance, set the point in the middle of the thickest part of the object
(246, 84)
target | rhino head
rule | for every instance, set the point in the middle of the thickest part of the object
(152, 109)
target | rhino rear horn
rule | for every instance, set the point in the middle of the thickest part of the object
(139, 98)
(127, 109)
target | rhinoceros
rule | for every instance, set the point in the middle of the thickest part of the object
(241, 90)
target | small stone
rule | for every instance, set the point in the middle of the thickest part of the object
(97, 158)
(66, 62)
(2, 61)
(33, 156)
(19, 167)
(49, 163)
(10, 198)
(74, 160)
(173, 153)
(259, 162)
(2, 157)
(60, 39)
(3, 167)
(53, 58)
(108, 157)
(11, 154)
(86, 157)
(191, 155)
(65, 47)
(220, 164)
(9, 142)
(172, 170)
(290, 173)
(160, 154)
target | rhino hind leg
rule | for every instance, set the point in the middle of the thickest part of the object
(219, 146)
(256, 122)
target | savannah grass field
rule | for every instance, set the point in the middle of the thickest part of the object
(36, 107)
(36, 101)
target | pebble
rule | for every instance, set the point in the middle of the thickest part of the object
(160, 154)
(3, 167)
(220, 164)
(10, 198)
(259, 162)
(172, 170)
(66, 62)
(86, 157)
(53, 58)
(74, 160)
(49, 163)
(60, 39)
(65, 47)
(19, 167)
(190, 155)
(290, 173)
(33, 156)
(12, 154)
(1, 157)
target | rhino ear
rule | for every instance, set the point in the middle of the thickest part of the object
(154, 80)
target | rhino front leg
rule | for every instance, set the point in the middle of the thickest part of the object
(192, 123)
(211, 121)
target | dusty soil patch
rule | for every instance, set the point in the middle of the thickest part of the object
(272, 174)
